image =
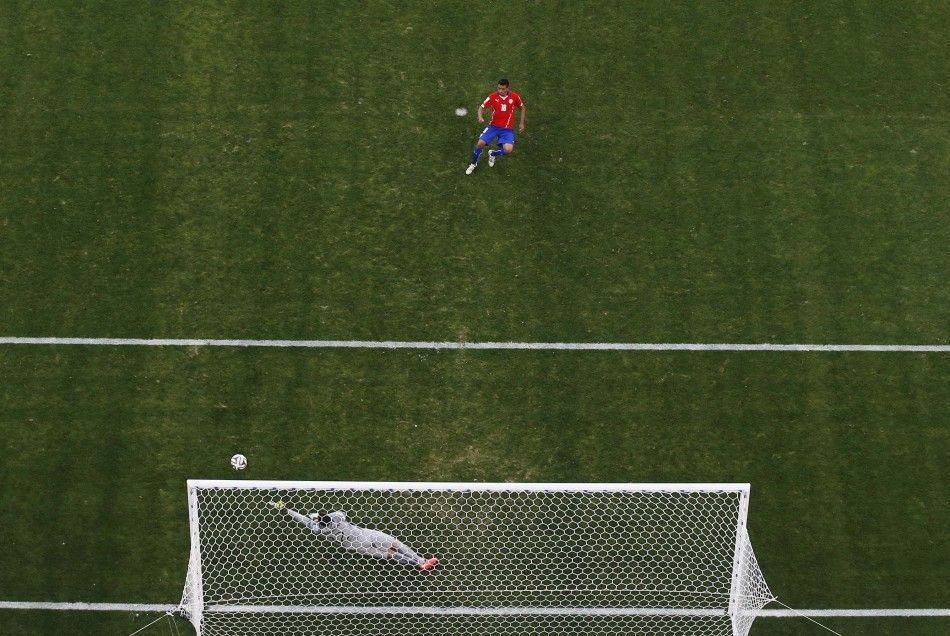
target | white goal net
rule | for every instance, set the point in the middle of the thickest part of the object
(441, 559)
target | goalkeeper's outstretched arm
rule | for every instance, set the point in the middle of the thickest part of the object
(311, 523)
(307, 521)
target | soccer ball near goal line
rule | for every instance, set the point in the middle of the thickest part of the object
(239, 462)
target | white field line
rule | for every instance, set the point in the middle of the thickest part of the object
(775, 613)
(541, 346)
(854, 613)
(87, 607)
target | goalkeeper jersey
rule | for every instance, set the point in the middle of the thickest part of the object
(350, 536)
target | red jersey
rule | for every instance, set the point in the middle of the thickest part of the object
(502, 108)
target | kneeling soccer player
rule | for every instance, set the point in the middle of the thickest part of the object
(374, 543)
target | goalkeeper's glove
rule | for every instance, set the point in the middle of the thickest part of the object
(280, 505)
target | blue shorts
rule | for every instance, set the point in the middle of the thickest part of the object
(505, 135)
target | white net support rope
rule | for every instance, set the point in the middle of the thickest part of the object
(352, 558)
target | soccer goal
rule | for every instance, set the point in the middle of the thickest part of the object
(458, 559)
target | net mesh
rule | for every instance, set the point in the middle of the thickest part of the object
(510, 562)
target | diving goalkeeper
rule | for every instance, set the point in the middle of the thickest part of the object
(374, 543)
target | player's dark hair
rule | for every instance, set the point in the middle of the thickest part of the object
(503, 82)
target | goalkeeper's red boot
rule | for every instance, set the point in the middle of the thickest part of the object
(428, 565)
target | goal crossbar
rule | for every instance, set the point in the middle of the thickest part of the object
(468, 486)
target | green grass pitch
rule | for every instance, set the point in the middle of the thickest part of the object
(690, 172)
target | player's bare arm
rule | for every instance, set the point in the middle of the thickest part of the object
(521, 124)
(481, 119)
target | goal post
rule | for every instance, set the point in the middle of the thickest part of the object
(464, 559)
(192, 602)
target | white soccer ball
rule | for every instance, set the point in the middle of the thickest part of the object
(239, 462)
(461, 112)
